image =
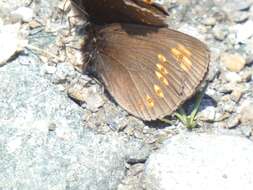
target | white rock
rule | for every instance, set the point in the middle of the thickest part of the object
(244, 31)
(25, 13)
(201, 161)
(10, 42)
(232, 77)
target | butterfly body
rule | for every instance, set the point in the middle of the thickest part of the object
(149, 70)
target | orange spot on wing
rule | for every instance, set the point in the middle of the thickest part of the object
(158, 91)
(161, 58)
(148, 1)
(176, 53)
(162, 78)
(162, 69)
(181, 54)
(184, 50)
(187, 62)
(150, 101)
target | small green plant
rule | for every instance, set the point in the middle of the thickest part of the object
(189, 121)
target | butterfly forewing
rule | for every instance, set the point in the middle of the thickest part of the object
(127, 11)
(149, 71)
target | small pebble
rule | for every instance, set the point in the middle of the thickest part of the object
(246, 113)
(228, 105)
(246, 130)
(211, 21)
(78, 92)
(34, 24)
(232, 122)
(52, 127)
(232, 77)
(220, 33)
(236, 95)
(233, 62)
(50, 69)
(93, 100)
(208, 114)
(63, 71)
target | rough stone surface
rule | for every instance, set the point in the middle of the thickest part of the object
(201, 161)
(44, 145)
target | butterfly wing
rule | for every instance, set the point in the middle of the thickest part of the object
(149, 71)
(128, 11)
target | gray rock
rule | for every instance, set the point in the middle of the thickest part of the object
(201, 161)
(208, 114)
(44, 145)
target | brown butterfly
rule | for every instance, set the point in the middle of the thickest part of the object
(150, 70)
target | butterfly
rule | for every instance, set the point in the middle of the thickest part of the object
(149, 69)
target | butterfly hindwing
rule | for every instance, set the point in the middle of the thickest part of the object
(149, 71)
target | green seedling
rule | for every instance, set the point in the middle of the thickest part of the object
(189, 121)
